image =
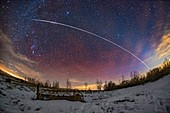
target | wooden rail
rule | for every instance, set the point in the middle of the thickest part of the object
(59, 94)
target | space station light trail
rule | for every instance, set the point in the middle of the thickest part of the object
(88, 32)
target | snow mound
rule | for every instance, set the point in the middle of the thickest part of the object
(149, 98)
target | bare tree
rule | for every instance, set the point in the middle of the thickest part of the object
(99, 84)
(47, 83)
(134, 74)
(105, 85)
(123, 78)
(31, 80)
(55, 84)
(68, 84)
(85, 84)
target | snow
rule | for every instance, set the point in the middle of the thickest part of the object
(149, 98)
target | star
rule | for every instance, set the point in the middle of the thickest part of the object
(60, 52)
(67, 12)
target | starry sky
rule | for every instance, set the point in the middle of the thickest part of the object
(47, 51)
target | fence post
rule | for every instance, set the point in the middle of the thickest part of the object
(38, 91)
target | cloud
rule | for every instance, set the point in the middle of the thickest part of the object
(10, 72)
(74, 80)
(7, 51)
(163, 49)
(28, 71)
(161, 52)
(14, 63)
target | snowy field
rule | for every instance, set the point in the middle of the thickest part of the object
(150, 98)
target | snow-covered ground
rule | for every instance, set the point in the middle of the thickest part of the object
(149, 98)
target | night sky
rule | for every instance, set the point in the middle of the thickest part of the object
(47, 51)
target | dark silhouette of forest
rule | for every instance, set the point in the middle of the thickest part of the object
(136, 79)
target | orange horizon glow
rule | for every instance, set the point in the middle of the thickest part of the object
(82, 87)
(10, 72)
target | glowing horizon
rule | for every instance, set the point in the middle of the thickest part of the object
(10, 72)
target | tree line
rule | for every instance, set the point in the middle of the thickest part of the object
(136, 79)
(47, 83)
